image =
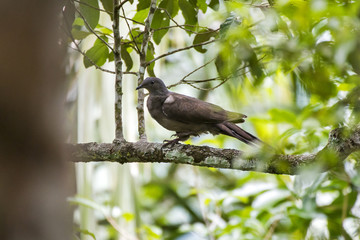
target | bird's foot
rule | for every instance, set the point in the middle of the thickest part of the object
(170, 142)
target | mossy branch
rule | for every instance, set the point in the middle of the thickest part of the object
(342, 142)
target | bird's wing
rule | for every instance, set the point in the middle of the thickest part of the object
(191, 110)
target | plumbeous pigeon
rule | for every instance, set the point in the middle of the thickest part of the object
(189, 116)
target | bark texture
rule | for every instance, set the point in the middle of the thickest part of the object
(342, 142)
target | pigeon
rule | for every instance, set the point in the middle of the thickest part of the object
(189, 116)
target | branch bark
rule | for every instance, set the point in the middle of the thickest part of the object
(118, 71)
(342, 142)
(143, 65)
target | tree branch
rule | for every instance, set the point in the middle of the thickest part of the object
(342, 142)
(182, 26)
(143, 65)
(179, 50)
(118, 70)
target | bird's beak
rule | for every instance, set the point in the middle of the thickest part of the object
(140, 86)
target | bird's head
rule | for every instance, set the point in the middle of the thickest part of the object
(153, 85)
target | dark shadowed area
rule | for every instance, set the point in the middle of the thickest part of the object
(34, 179)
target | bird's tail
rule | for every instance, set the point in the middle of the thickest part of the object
(235, 131)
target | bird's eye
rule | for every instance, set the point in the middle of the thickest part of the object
(152, 82)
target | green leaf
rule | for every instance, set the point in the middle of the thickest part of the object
(224, 27)
(201, 37)
(79, 34)
(152, 232)
(214, 4)
(108, 6)
(188, 11)
(282, 115)
(171, 6)
(98, 54)
(86, 232)
(143, 4)
(104, 30)
(149, 56)
(128, 216)
(125, 49)
(221, 66)
(111, 57)
(91, 15)
(141, 15)
(161, 18)
(78, 30)
(202, 5)
(78, 22)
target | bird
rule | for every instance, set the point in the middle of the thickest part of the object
(189, 116)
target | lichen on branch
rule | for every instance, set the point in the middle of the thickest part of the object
(342, 142)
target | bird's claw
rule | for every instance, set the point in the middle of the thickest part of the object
(170, 142)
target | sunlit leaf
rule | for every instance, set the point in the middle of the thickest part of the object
(141, 15)
(128, 216)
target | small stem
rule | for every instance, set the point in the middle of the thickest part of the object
(118, 73)
(143, 65)
(179, 50)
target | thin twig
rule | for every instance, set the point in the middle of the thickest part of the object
(119, 74)
(180, 26)
(167, 13)
(179, 50)
(121, 4)
(190, 73)
(129, 19)
(271, 230)
(92, 30)
(132, 36)
(91, 6)
(177, 26)
(132, 73)
(223, 79)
